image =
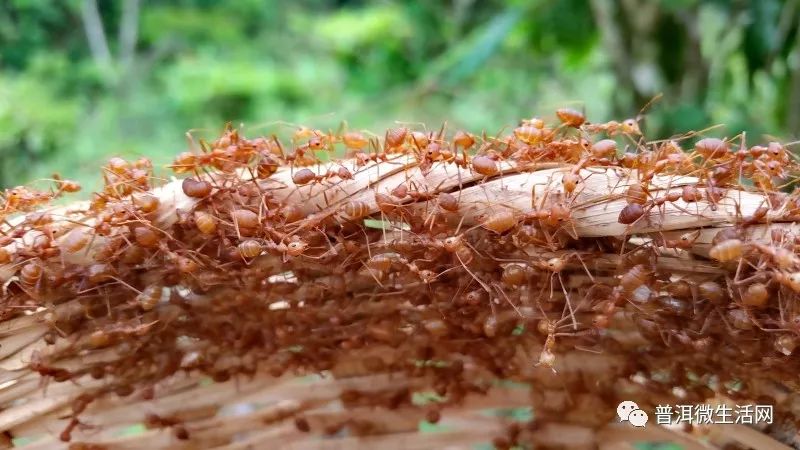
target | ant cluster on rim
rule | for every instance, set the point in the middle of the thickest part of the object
(269, 257)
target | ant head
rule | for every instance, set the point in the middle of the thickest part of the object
(296, 248)
(427, 276)
(555, 264)
(432, 150)
(775, 148)
(689, 238)
(473, 297)
(631, 126)
(315, 143)
(452, 243)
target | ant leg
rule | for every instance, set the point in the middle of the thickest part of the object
(588, 272)
(508, 300)
(568, 302)
(483, 285)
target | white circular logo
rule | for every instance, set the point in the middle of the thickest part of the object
(638, 418)
(625, 408)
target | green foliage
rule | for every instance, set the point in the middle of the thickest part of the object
(478, 64)
(34, 120)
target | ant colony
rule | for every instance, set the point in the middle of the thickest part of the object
(464, 258)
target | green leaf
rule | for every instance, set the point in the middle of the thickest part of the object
(468, 56)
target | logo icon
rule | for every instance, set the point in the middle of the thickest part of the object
(629, 411)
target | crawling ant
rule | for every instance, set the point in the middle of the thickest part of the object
(306, 176)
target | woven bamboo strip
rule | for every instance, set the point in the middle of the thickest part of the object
(596, 205)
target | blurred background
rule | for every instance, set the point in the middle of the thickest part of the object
(83, 80)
